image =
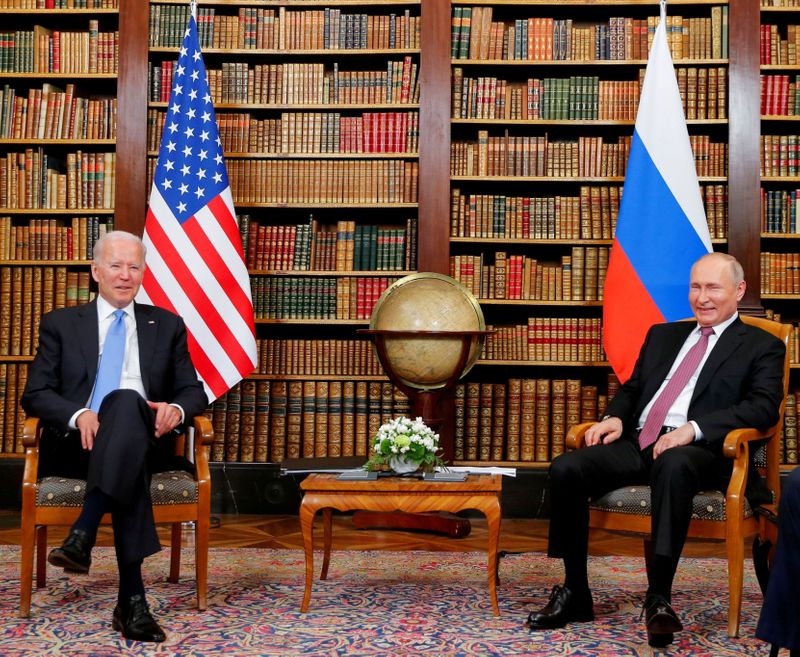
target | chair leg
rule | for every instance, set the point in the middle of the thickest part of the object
(41, 556)
(735, 549)
(27, 540)
(175, 553)
(201, 532)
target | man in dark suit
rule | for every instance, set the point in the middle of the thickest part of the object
(694, 382)
(779, 623)
(112, 422)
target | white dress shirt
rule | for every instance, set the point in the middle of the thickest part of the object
(678, 413)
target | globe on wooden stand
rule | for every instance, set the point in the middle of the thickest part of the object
(428, 331)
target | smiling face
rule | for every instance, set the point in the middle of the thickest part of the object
(118, 270)
(713, 292)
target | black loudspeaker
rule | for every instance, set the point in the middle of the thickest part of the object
(253, 488)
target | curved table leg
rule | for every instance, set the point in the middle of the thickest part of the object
(493, 515)
(327, 534)
(307, 513)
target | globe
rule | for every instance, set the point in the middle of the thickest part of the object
(428, 302)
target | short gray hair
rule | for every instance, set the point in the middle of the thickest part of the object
(115, 236)
(736, 270)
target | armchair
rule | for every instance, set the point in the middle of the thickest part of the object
(716, 516)
(178, 496)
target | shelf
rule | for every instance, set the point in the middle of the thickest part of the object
(594, 3)
(39, 211)
(48, 263)
(780, 236)
(544, 363)
(788, 179)
(69, 142)
(780, 67)
(571, 122)
(537, 302)
(59, 76)
(318, 377)
(57, 12)
(267, 52)
(328, 107)
(325, 272)
(16, 359)
(242, 204)
(581, 62)
(313, 156)
(790, 297)
(300, 3)
(324, 322)
(616, 179)
(521, 240)
(779, 117)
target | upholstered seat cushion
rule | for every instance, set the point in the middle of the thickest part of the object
(635, 500)
(172, 487)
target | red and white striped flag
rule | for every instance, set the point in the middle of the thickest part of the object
(195, 266)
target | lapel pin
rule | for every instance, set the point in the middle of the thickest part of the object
(152, 321)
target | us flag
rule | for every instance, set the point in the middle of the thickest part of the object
(195, 266)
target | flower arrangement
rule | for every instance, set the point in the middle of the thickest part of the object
(404, 445)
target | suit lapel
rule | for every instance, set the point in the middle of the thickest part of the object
(728, 342)
(146, 331)
(87, 331)
(668, 347)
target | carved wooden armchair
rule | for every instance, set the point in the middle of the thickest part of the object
(716, 516)
(177, 496)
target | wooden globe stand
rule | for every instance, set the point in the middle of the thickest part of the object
(425, 403)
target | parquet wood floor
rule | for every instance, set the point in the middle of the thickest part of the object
(283, 532)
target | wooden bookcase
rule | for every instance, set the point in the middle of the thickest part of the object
(57, 190)
(438, 130)
(780, 182)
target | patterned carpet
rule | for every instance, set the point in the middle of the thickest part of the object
(376, 604)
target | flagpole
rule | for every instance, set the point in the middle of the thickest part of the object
(663, 9)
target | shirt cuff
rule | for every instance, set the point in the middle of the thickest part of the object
(698, 435)
(183, 415)
(72, 424)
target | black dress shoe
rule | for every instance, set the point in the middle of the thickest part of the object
(661, 622)
(136, 622)
(563, 607)
(74, 555)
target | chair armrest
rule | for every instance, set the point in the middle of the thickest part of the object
(737, 447)
(736, 440)
(203, 437)
(30, 432)
(575, 436)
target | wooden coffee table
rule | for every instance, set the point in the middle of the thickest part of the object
(326, 492)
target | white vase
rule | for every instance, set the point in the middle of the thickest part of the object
(402, 465)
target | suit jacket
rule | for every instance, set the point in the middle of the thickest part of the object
(740, 384)
(64, 369)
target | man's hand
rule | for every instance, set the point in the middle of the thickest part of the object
(167, 417)
(683, 435)
(88, 424)
(604, 432)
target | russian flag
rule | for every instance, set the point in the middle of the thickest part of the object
(661, 227)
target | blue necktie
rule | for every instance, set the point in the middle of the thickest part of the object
(110, 369)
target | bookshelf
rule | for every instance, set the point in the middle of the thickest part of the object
(58, 118)
(307, 356)
(319, 113)
(543, 101)
(780, 234)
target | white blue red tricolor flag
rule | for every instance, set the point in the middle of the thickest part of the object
(661, 228)
(195, 266)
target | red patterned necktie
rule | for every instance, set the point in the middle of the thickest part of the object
(688, 366)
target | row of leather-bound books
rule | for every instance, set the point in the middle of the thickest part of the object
(474, 35)
(590, 215)
(778, 50)
(51, 239)
(577, 277)
(703, 91)
(299, 83)
(285, 29)
(780, 273)
(307, 132)
(343, 246)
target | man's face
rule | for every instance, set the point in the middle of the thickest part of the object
(712, 293)
(118, 271)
